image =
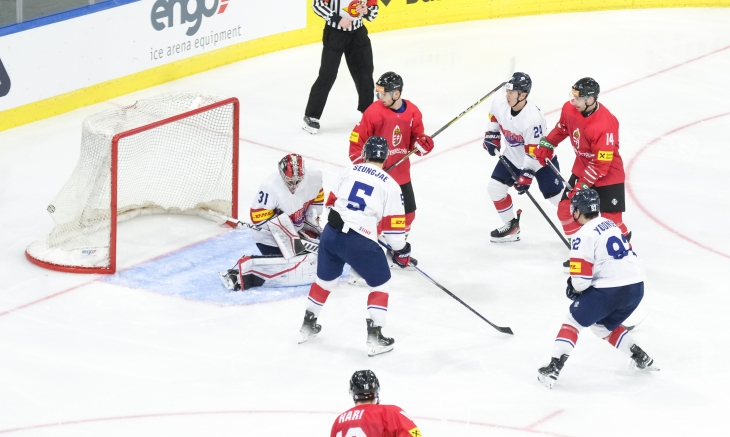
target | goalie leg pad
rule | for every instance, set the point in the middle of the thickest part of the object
(276, 271)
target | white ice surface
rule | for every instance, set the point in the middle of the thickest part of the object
(79, 356)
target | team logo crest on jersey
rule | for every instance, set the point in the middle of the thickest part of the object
(351, 8)
(576, 138)
(397, 136)
(512, 138)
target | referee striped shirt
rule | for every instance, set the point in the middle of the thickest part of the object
(334, 10)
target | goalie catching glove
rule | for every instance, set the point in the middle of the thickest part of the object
(402, 257)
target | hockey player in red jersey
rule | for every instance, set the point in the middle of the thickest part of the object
(606, 285)
(401, 123)
(593, 133)
(368, 418)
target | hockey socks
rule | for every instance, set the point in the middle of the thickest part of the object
(316, 299)
(617, 217)
(378, 307)
(570, 226)
(567, 338)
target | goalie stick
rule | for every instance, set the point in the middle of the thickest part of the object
(552, 225)
(310, 245)
(504, 330)
(512, 63)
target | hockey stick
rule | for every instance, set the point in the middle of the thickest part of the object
(506, 164)
(309, 244)
(557, 172)
(505, 330)
(512, 63)
(632, 327)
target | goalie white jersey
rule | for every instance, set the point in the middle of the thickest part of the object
(520, 133)
(365, 196)
(600, 256)
(273, 197)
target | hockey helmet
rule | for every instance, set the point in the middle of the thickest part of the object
(586, 87)
(520, 82)
(389, 82)
(364, 386)
(375, 149)
(585, 202)
(291, 169)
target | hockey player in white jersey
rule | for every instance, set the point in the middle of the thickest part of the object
(606, 284)
(522, 125)
(365, 196)
(286, 206)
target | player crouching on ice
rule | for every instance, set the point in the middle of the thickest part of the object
(365, 195)
(606, 284)
(285, 211)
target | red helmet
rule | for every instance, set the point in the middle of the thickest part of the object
(291, 169)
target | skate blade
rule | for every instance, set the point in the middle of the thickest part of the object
(546, 381)
(310, 130)
(510, 239)
(226, 280)
(652, 368)
(379, 350)
(304, 336)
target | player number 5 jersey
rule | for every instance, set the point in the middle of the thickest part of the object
(600, 256)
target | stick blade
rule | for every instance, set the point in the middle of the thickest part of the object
(505, 330)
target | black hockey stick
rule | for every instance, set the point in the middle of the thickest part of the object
(505, 330)
(552, 225)
(557, 172)
(466, 111)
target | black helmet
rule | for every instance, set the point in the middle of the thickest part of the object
(520, 82)
(375, 149)
(389, 82)
(587, 87)
(364, 386)
(586, 202)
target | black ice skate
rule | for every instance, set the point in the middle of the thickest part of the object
(509, 232)
(311, 124)
(310, 328)
(377, 343)
(230, 279)
(640, 360)
(549, 374)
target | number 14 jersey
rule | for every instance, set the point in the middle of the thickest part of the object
(601, 257)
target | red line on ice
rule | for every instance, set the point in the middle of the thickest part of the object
(630, 190)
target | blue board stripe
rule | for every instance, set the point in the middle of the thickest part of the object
(62, 16)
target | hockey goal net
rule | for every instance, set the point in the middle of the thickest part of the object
(173, 153)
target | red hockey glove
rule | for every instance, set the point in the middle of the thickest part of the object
(578, 186)
(544, 150)
(524, 181)
(402, 257)
(492, 142)
(424, 144)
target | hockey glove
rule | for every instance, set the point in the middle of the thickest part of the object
(570, 291)
(492, 142)
(424, 144)
(544, 150)
(578, 186)
(402, 257)
(524, 181)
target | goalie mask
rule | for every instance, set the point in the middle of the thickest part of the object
(364, 386)
(291, 169)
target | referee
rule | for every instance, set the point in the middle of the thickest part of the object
(344, 32)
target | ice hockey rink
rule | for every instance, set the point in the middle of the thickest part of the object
(162, 349)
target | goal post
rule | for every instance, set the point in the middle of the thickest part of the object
(172, 153)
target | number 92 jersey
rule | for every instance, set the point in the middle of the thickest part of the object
(365, 196)
(601, 257)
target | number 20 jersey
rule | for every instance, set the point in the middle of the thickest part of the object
(601, 257)
(365, 196)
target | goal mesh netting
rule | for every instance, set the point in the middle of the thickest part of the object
(173, 153)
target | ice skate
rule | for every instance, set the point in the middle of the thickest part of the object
(311, 125)
(509, 232)
(356, 280)
(230, 279)
(310, 328)
(377, 343)
(640, 360)
(549, 374)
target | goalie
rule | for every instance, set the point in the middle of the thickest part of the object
(285, 211)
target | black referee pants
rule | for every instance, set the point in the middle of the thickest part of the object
(358, 53)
